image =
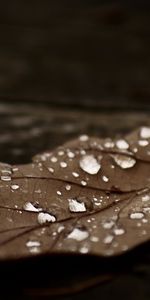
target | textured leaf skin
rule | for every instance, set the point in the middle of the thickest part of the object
(103, 214)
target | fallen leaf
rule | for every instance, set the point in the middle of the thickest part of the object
(89, 196)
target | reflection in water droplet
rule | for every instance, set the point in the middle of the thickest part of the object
(145, 132)
(108, 224)
(70, 154)
(63, 164)
(94, 239)
(83, 182)
(109, 144)
(14, 186)
(119, 231)
(124, 161)
(136, 215)
(83, 138)
(76, 206)
(84, 250)
(75, 174)
(108, 239)
(28, 206)
(5, 178)
(68, 187)
(143, 143)
(51, 170)
(105, 178)
(144, 220)
(45, 217)
(61, 153)
(33, 246)
(54, 159)
(59, 193)
(145, 198)
(122, 144)
(60, 228)
(78, 234)
(89, 164)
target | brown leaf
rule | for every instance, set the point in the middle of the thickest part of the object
(90, 196)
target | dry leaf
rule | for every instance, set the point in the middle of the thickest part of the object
(89, 196)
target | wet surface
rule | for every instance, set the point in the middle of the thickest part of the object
(25, 132)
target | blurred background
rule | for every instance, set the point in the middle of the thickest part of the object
(81, 52)
(85, 64)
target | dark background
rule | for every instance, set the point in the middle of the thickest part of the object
(78, 52)
(67, 68)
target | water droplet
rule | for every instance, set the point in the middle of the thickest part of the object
(78, 234)
(97, 203)
(89, 164)
(63, 164)
(146, 209)
(123, 161)
(15, 169)
(105, 178)
(54, 159)
(119, 231)
(76, 206)
(60, 153)
(59, 193)
(94, 239)
(135, 150)
(145, 198)
(70, 154)
(75, 174)
(28, 206)
(84, 250)
(51, 170)
(5, 178)
(145, 132)
(109, 144)
(54, 233)
(68, 187)
(34, 246)
(112, 166)
(82, 152)
(14, 186)
(108, 239)
(60, 228)
(122, 144)
(6, 172)
(83, 138)
(83, 182)
(144, 220)
(45, 217)
(143, 143)
(108, 224)
(136, 215)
